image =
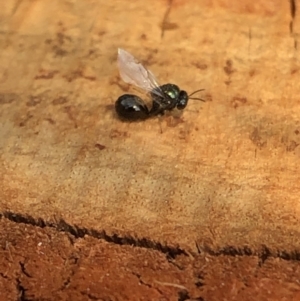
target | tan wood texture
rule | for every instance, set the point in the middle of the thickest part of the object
(224, 173)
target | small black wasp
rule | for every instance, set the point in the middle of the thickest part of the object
(164, 97)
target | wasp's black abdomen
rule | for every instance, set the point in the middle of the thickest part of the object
(131, 107)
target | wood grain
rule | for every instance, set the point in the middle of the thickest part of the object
(225, 173)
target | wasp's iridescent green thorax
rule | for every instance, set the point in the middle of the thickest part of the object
(171, 90)
(173, 98)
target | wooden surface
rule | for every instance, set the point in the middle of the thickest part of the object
(223, 176)
(45, 264)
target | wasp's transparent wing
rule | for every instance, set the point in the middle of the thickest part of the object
(134, 73)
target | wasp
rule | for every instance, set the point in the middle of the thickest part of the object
(164, 97)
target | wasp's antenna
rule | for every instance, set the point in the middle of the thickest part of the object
(196, 92)
(196, 97)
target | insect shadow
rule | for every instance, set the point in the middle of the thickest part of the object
(165, 97)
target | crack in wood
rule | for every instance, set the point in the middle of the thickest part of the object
(79, 232)
(21, 290)
(293, 16)
(171, 252)
(165, 18)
